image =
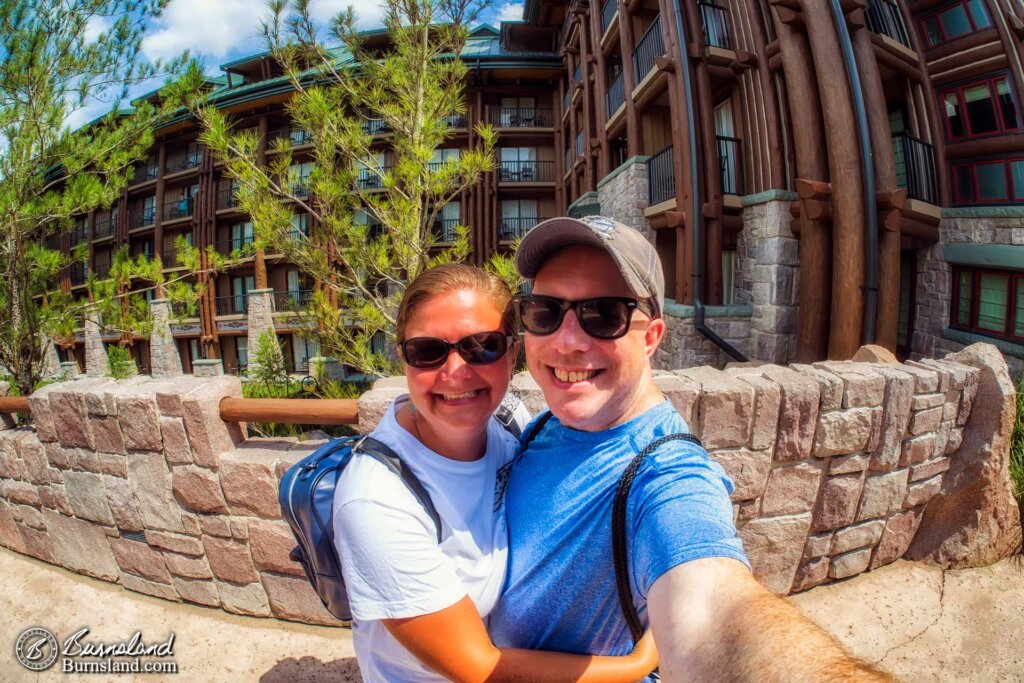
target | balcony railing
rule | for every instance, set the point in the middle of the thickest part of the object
(730, 163)
(370, 179)
(650, 47)
(179, 207)
(300, 188)
(661, 177)
(292, 299)
(102, 270)
(608, 11)
(444, 229)
(236, 304)
(883, 17)
(516, 228)
(296, 136)
(567, 98)
(104, 226)
(577, 75)
(146, 171)
(79, 272)
(141, 216)
(227, 197)
(190, 156)
(375, 127)
(241, 245)
(521, 117)
(527, 171)
(715, 20)
(615, 96)
(79, 234)
(915, 167)
(455, 120)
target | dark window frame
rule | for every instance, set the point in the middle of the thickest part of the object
(990, 80)
(934, 14)
(1013, 278)
(975, 198)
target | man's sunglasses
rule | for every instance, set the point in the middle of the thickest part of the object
(603, 317)
(482, 348)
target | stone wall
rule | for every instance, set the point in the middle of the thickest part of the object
(685, 347)
(836, 465)
(935, 287)
(623, 195)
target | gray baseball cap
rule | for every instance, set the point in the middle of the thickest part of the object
(636, 258)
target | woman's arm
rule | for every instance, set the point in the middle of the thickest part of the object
(455, 643)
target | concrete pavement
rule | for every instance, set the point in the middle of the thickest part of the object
(914, 621)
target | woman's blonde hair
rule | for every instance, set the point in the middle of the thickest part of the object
(447, 278)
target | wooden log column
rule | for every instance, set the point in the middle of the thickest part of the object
(604, 154)
(811, 164)
(560, 169)
(202, 222)
(772, 124)
(260, 261)
(634, 135)
(888, 314)
(574, 181)
(158, 211)
(589, 183)
(848, 217)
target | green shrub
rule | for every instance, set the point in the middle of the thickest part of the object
(282, 387)
(120, 363)
(1017, 447)
(267, 362)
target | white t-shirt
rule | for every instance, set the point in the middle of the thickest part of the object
(391, 561)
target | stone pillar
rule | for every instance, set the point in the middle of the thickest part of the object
(96, 364)
(261, 318)
(7, 420)
(208, 367)
(769, 264)
(623, 196)
(322, 367)
(51, 361)
(69, 370)
(163, 352)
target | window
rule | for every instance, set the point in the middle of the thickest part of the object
(989, 302)
(300, 224)
(729, 269)
(980, 108)
(241, 235)
(997, 181)
(242, 351)
(302, 350)
(240, 287)
(954, 21)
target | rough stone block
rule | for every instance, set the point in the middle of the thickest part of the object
(208, 435)
(198, 488)
(872, 353)
(684, 395)
(883, 494)
(68, 409)
(747, 469)
(88, 497)
(954, 439)
(838, 501)
(818, 545)
(929, 469)
(32, 453)
(230, 560)
(123, 506)
(969, 393)
(798, 413)
(32, 517)
(138, 419)
(10, 535)
(191, 523)
(850, 564)
(792, 489)
(42, 418)
(925, 421)
(842, 431)
(249, 485)
(925, 401)
(55, 497)
(215, 526)
(151, 482)
(917, 449)
(63, 458)
(812, 573)
(295, 599)
(107, 435)
(893, 421)
(22, 492)
(862, 387)
(829, 384)
(864, 535)
(103, 463)
(139, 559)
(774, 547)
(250, 599)
(926, 380)
(38, 544)
(726, 408)
(199, 592)
(240, 529)
(767, 400)
(176, 543)
(746, 510)
(848, 464)
(80, 546)
(188, 567)
(140, 585)
(271, 541)
(176, 448)
(896, 539)
(921, 492)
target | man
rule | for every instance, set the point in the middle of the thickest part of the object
(592, 323)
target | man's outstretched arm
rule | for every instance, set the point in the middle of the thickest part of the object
(713, 621)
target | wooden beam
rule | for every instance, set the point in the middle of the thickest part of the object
(813, 189)
(290, 410)
(668, 219)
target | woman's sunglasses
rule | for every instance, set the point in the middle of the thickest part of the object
(482, 348)
(603, 317)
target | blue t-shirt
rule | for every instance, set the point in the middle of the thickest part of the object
(560, 590)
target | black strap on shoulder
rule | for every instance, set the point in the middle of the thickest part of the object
(538, 425)
(619, 553)
(506, 412)
(387, 457)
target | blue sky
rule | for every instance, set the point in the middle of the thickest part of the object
(220, 31)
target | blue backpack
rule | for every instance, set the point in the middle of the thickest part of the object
(306, 496)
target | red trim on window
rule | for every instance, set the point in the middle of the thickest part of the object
(942, 31)
(1012, 279)
(993, 97)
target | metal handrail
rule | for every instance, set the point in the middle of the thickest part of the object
(527, 171)
(884, 18)
(516, 228)
(521, 117)
(615, 96)
(180, 207)
(142, 216)
(190, 157)
(648, 48)
(661, 176)
(234, 304)
(914, 160)
(730, 164)
(608, 11)
(292, 299)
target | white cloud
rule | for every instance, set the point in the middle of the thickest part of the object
(213, 29)
(369, 13)
(95, 26)
(510, 11)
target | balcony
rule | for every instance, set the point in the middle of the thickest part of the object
(237, 304)
(661, 177)
(730, 163)
(292, 300)
(370, 179)
(884, 18)
(443, 230)
(180, 207)
(527, 171)
(141, 216)
(104, 226)
(650, 47)
(608, 11)
(238, 246)
(79, 273)
(580, 147)
(227, 197)
(184, 158)
(300, 188)
(512, 229)
(146, 171)
(715, 21)
(915, 167)
(521, 117)
(568, 161)
(375, 126)
(455, 120)
(615, 97)
(79, 234)
(296, 136)
(102, 270)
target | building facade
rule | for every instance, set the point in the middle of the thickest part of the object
(727, 133)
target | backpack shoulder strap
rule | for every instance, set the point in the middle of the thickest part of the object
(538, 425)
(387, 457)
(506, 412)
(619, 553)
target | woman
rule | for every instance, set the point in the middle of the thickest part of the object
(420, 607)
